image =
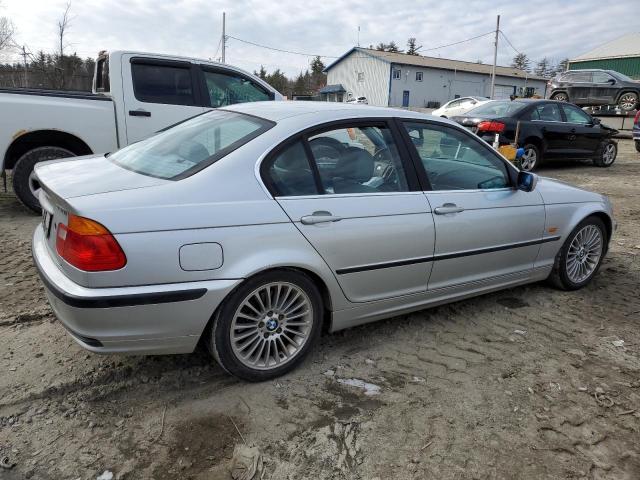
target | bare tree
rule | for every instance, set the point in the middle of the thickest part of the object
(63, 26)
(7, 32)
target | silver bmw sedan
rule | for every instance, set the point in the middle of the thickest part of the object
(254, 227)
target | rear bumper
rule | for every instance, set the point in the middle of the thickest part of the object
(148, 319)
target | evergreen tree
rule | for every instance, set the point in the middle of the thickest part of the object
(522, 62)
(392, 47)
(543, 68)
(412, 50)
(562, 66)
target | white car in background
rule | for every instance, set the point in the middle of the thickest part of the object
(459, 106)
(358, 100)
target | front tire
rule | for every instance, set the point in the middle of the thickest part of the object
(580, 256)
(25, 185)
(606, 154)
(267, 326)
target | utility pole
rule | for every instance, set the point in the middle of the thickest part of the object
(358, 35)
(495, 59)
(24, 56)
(224, 35)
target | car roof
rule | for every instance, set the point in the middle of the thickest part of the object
(276, 111)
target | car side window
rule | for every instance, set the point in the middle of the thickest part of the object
(547, 112)
(601, 77)
(453, 160)
(289, 172)
(227, 88)
(581, 77)
(167, 84)
(575, 115)
(358, 159)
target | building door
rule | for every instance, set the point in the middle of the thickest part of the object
(405, 98)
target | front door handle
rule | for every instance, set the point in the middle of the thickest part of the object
(139, 113)
(448, 208)
(321, 216)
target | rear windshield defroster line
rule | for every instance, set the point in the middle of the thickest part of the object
(187, 147)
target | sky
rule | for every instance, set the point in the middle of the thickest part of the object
(539, 28)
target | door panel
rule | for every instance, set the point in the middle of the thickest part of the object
(157, 94)
(374, 233)
(484, 227)
(585, 135)
(580, 87)
(498, 220)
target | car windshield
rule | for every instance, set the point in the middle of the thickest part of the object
(498, 108)
(190, 146)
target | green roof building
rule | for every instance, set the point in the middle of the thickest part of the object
(621, 55)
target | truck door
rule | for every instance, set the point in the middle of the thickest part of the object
(158, 93)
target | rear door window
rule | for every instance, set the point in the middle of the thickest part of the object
(547, 112)
(226, 88)
(575, 115)
(163, 83)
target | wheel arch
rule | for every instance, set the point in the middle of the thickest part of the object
(43, 138)
(537, 141)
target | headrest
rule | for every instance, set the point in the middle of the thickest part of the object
(355, 164)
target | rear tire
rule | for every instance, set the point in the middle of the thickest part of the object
(283, 334)
(628, 101)
(24, 183)
(575, 268)
(560, 97)
(606, 154)
(531, 159)
(637, 145)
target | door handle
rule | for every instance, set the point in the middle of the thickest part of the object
(448, 208)
(139, 113)
(573, 130)
(320, 216)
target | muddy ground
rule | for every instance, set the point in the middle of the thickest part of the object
(526, 383)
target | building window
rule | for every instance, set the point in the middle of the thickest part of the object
(418, 76)
(397, 73)
(361, 76)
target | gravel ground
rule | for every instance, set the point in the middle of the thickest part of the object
(526, 383)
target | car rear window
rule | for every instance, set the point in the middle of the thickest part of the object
(190, 146)
(498, 108)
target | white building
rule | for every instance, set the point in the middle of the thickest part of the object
(401, 80)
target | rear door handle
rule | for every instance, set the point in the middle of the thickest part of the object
(448, 208)
(320, 216)
(139, 113)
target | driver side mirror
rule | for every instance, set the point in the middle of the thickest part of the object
(527, 181)
(611, 81)
(595, 121)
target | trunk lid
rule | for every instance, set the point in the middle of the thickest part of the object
(80, 176)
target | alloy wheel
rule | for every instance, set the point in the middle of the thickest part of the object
(628, 101)
(609, 154)
(560, 97)
(528, 160)
(584, 253)
(271, 325)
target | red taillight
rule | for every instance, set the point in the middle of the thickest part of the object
(89, 246)
(637, 119)
(494, 127)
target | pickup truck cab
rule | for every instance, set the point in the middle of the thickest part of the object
(134, 95)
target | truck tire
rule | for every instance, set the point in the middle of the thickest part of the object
(24, 184)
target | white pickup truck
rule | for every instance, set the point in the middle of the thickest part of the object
(134, 95)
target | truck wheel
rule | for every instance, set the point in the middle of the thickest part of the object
(606, 154)
(24, 183)
(628, 101)
(560, 97)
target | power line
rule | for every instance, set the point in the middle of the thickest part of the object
(461, 41)
(510, 44)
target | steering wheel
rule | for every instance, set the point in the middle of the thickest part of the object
(390, 173)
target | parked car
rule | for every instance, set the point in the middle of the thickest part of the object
(459, 106)
(595, 87)
(360, 100)
(226, 229)
(134, 95)
(549, 130)
(636, 131)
